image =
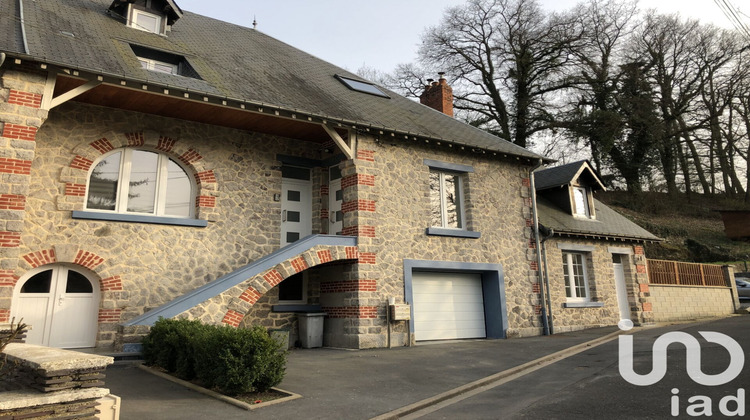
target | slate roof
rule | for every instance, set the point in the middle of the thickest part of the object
(608, 223)
(233, 62)
(563, 175)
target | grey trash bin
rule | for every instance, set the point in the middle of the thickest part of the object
(311, 329)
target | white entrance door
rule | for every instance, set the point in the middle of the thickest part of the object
(336, 216)
(60, 304)
(296, 210)
(620, 288)
(448, 306)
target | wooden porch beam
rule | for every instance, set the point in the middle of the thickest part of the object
(350, 150)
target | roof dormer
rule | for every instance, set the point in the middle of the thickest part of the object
(155, 16)
(571, 187)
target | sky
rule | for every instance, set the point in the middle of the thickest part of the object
(384, 33)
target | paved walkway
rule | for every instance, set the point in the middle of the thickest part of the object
(346, 384)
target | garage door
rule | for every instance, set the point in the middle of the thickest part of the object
(447, 306)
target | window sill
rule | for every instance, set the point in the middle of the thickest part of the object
(295, 308)
(456, 233)
(136, 218)
(583, 304)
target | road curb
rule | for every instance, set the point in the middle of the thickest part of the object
(498, 378)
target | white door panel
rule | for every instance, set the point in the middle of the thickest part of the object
(448, 306)
(296, 210)
(61, 306)
(622, 291)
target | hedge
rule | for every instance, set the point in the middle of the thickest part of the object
(230, 360)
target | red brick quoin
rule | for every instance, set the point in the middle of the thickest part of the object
(31, 100)
(19, 132)
(40, 258)
(232, 318)
(12, 202)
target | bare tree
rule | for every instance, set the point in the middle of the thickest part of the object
(506, 59)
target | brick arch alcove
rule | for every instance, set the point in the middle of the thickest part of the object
(111, 285)
(75, 175)
(230, 306)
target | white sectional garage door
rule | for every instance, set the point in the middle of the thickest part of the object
(447, 306)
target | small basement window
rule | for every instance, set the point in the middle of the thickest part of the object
(164, 62)
(360, 86)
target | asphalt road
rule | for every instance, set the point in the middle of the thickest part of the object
(589, 385)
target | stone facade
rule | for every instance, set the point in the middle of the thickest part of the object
(386, 204)
(601, 284)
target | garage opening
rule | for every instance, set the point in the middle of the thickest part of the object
(448, 306)
(453, 300)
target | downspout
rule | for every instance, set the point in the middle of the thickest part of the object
(546, 279)
(23, 28)
(535, 216)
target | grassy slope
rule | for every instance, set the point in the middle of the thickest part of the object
(693, 231)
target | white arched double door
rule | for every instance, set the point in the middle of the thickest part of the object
(61, 305)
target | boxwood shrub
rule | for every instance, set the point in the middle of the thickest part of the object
(230, 360)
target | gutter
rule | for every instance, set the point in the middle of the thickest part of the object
(545, 318)
(23, 28)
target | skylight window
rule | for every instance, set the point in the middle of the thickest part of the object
(363, 87)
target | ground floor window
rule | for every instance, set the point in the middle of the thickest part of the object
(576, 279)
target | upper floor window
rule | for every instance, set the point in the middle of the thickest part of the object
(446, 199)
(141, 182)
(160, 66)
(163, 61)
(146, 21)
(581, 202)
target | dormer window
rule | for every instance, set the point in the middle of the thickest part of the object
(163, 62)
(581, 202)
(145, 21)
(159, 66)
(155, 16)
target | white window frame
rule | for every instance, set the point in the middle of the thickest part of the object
(443, 199)
(585, 212)
(153, 65)
(134, 18)
(123, 185)
(570, 280)
(304, 293)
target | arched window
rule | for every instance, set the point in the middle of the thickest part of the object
(140, 182)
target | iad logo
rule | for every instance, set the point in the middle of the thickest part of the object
(702, 405)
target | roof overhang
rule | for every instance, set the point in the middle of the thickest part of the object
(604, 236)
(142, 95)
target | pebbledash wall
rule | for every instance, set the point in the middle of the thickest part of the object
(604, 310)
(684, 303)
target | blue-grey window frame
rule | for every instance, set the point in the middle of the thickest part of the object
(493, 290)
(458, 169)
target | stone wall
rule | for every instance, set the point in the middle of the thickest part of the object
(601, 281)
(684, 303)
(394, 177)
(141, 266)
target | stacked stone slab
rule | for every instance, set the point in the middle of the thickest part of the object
(52, 383)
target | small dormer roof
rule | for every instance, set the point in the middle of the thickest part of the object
(579, 173)
(168, 7)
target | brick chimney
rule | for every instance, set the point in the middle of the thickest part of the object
(438, 95)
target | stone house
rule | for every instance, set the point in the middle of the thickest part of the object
(155, 162)
(594, 264)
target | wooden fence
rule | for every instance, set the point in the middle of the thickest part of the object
(685, 274)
